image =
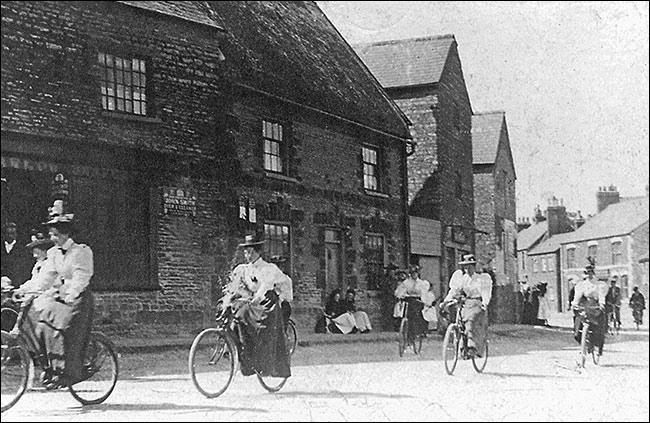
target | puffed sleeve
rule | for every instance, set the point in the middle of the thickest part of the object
(602, 293)
(455, 285)
(400, 291)
(486, 288)
(82, 271)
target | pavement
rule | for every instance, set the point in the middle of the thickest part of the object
(144, 344)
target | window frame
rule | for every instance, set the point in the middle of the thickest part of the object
(370, 260)
(272, 138)
(617, 253)
(571, 258)
(376, 166)
(284, 262)
(112, 82)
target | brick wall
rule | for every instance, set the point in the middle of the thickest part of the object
(207, 130)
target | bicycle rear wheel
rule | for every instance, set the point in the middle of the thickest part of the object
(101, 368)
(480, 362)
(15, 371)
(271, 383)
(292, 336)
(403, 334)
(212, 362)
(451, 348)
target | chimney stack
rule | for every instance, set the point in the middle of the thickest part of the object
(558, 220)
(606, 196)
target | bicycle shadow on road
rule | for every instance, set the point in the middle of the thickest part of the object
(339, 394)
(624, 366)
(526, 375)
(165, 406)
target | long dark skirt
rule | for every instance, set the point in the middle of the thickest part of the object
(264, 347)
(597, 327)
(66, 331)
(417, 325)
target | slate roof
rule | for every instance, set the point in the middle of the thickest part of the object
(617, 219)
(486, 133)
(195, 11)
(550, 245)
(532, 234)
(403, 63)
(290, 50)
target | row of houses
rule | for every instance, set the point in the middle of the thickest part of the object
(171, 129)
(555, 248)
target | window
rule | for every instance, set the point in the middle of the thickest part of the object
(550, 264)
(523, 261)
(617, 256)
(123, 84)
(277, 246)
(592, 250)
(544, 268)
(374, 260)
(273, 147)
(571, 258)
(370, 168)
(535, 266)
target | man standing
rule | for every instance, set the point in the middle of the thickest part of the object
(613, 300)
(14, 261)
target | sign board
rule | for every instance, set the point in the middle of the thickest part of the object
(179, 202)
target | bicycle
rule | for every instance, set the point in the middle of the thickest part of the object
(8, 312)
(613, 325)
(215, 352)
(100, 364)
(403, 341)
(586, 343)
(455, 345)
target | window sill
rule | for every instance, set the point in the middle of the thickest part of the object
(135, 118)
(280, 177)
(377, 194)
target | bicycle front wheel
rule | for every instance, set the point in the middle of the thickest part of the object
(212, 362)
(15, 371)
(271, 383)
(451, 348)
(292, 336)
(101, 369)
(584, 345)
(403, 337)
(480, 362)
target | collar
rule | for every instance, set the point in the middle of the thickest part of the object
(10, 243)
(66, 245)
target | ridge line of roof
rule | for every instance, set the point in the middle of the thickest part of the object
(404, 40)
(494, 112)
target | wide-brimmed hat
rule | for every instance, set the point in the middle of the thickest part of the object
(40, 240)
(252, 240)
(468, 259)
(56, 214)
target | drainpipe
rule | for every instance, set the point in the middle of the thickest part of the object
(409, 148)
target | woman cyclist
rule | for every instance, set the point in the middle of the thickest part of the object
(590, 294)
(413, 290)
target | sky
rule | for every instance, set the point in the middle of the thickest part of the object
(572, 78)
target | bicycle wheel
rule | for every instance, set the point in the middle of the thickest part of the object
(480, 362)
(212, 362)
(450, 348)
(292, 336)
(8, 318)
(403, 334)
(271, 383)
(417, 344)
(101, 368)
(15, 371)
(584, 345)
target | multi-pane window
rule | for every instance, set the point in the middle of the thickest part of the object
(592, 250)
(123, 84)
(535, 266)
(571, 258)
(277, 245)
(544, 268)
(617, 256)
(374, 260)
(370, 168)
(273, 147)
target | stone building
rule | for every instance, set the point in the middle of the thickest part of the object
(495, 210)
(171, 129)
(618, 238)
(424, 76)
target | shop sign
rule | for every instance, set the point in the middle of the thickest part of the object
(179, 202)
